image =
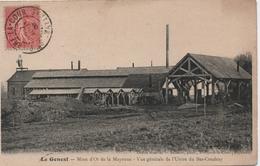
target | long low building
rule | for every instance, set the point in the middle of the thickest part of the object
(69, 82)
(191, 76)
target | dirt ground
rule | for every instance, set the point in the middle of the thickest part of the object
(140, 129)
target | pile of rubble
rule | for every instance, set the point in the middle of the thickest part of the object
(26, 111)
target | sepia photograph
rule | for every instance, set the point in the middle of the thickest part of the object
(129, 77)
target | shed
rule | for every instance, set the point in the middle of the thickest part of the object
(211, 72)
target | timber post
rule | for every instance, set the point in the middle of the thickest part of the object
(224, 98)
(213, 92)
(117, 98)
(129, 99)
(204, 88)
(207, 94)
(195, 91)
(112, 97)
(124, 102)
(166, 90)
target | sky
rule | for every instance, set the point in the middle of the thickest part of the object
(112, 33)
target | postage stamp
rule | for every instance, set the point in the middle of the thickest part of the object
(27, 28)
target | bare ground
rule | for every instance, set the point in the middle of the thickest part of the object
(139, 129)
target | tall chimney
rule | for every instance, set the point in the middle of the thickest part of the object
(151, 63)
(79, 65)
(167, 45)
(238, 66)
(133, 65)
(71, 65)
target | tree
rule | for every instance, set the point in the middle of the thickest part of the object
(245, 61)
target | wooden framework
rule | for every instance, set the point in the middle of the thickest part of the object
(114, 97)
(189, 73)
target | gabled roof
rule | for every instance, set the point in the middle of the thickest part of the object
(26, 75)
(219, 67)
(120, 71)
(23, 76)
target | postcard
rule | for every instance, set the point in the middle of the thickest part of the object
(120, 82)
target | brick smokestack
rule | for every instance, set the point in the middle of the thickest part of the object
(133, 65)
(71, 65)
(79, 65)
(167, 45)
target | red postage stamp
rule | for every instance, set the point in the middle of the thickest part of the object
(27, 28)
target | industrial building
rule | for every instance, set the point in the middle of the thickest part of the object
(195, 78)
(120, 85)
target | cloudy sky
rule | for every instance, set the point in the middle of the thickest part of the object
(108, 34)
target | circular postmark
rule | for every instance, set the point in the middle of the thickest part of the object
(28, 28)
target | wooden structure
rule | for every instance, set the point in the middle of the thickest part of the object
(112, 96)
(212, 73)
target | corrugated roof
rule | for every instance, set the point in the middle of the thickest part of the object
(101, 82)
(54, 91)
(120, 71)
(221, 67)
